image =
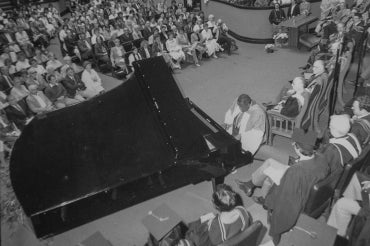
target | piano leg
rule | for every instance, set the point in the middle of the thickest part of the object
(63, 213)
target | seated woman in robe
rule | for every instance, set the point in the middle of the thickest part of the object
(175, 50)
(214, 229)
(117, 55)
(92, 81)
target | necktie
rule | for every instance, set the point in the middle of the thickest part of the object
(236, 124)
(8, 81)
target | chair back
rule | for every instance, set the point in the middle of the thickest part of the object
(248, 237)
(321, 194)
(351, 168)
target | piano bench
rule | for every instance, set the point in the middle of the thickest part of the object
(308, 40)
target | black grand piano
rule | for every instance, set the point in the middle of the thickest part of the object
(133, 143)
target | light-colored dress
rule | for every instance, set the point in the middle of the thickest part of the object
(211, 43)
(92, 82)
(174, 49)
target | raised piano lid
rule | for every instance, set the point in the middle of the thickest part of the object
(105, 142)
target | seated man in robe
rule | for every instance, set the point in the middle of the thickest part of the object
(246, 120)
(287, 187)
(361, 119)
(343, 146)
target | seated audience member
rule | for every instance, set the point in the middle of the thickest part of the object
(11, 68)
(223, 39)
(117, 53)
(183, 41)
(50, 70)
(68, 60)
(18, 112)
(84, 47)
(22, 62)
(350, 204)
(277, 15)
(293, 9)
(101, 51)
(343, 146)
(37, 102)
(144, 50)
(24, 41)
(38, 68)
(73, 85)
(292, 101)
(126, 36)
(288, 183)
(91, 80)
(35, 79)
(198, 43)
(210, 42)
(40, 57)
(319, 77)
(214, 229)
(361, 119)
(175, 50)
(134, 56)
(53, 62)
(158, 50)
(57, 94)
(19, 91)
(6, 82)
(246, 120)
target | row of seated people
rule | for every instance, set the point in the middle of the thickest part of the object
(296, 8)
(38, 90)
(110, 44)
(282, 182)
(27, 29)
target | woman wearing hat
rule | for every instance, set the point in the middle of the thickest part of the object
(91, 80)
(214, 229)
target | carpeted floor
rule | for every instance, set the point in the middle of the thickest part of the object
(213, 87)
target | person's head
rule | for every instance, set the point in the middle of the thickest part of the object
(32, 73)
(99, 40)
(52, 79)
(116, 42)
(340, 27)
(68, 60)
(51, 56)
(17, 81)
(361, 105)
(224, 198)
(144, 44)
(157, 38)
(339, 125)
(87, 65)
(277, 6)
(298, 84)
(33, 63)
(211, 17)
(304, 143)
(170, 36)
(318, 67)
(205, 26)
(70, 72)
(33, 89)
(357, 17)
(244, 102)
(134, 50)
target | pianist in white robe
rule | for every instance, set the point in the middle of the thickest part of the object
(246, 123)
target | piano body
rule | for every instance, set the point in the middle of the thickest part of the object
(83, 162)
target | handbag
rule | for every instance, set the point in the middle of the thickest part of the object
(309, 232)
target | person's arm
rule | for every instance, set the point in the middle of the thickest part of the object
(256, 120)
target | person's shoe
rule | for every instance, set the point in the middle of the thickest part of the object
(247, 187)
(197, 64)
(259, 200)
(214, 56)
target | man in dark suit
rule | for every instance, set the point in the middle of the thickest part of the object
(293, 9)
(6, 83)
(18, 112)
(73, 85)
(126, 36)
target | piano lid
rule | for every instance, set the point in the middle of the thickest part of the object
(112, 139)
